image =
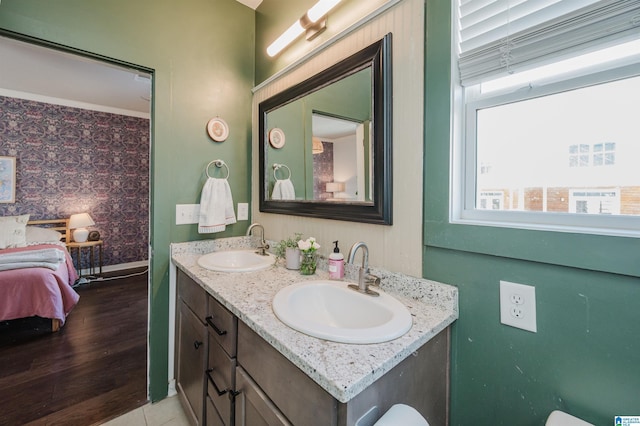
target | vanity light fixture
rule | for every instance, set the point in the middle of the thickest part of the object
(313, 22)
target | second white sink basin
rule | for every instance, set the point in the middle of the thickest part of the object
(331, 311)
(236, 261)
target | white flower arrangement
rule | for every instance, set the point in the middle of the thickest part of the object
(309, 245)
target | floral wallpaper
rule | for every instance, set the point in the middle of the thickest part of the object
(72, 160)
(322, 171)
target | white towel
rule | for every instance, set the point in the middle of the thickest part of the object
(216, 206)
(46, 255)
(283, 190)
(40, 258)
(26, 265)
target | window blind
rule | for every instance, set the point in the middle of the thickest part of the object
(499, 37)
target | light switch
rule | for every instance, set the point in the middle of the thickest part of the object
(187, 213)
(243, 211)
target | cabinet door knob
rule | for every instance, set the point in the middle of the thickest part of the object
(197, 344)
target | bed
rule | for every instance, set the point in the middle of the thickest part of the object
(36, 270)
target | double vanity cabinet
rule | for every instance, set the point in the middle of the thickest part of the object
(229, 372)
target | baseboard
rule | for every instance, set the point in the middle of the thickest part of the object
(123, 266)
(172, 388)
(119, 267)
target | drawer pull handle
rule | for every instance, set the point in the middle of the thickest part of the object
(213, 382)
(197, 344)
(217, 330)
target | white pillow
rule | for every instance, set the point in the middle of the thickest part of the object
(13, 231)
(36, 234)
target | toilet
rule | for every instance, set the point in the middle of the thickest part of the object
(401, 414)
(405, 415)
(559, 418)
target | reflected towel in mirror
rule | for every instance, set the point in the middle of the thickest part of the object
(216, 206)
(283, 190)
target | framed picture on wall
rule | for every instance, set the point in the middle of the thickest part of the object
(7, 179)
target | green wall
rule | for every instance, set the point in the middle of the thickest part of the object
(289, 119)
(202, 54)
(585, 357)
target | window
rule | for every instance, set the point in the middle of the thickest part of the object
(548, 139)
(491, 200)
(604, 154)
(579, 155)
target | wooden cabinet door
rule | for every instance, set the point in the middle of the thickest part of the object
(192, 294)
(253, 407)
(213, 417)
(192, 357)
(297, 396)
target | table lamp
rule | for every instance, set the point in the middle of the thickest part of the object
(79, 222)
(335, 187)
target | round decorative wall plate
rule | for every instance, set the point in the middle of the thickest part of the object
(218, 129)
(276, 138)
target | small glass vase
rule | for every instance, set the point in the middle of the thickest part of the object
(308, 263)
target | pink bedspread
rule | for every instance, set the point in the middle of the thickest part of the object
(38, 291)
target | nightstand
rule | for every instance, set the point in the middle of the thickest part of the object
(91, 245)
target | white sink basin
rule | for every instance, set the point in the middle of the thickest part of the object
(236, 261)
(331, 311)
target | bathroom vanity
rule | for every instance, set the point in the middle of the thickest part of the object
(236, 363)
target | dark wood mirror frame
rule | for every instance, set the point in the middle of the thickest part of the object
(378, 57)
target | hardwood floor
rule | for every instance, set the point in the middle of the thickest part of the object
(92, 370)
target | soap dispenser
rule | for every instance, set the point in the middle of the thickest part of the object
(336, 264)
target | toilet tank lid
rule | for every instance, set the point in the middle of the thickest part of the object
(559, 418)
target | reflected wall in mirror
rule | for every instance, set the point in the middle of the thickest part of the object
(337, 126)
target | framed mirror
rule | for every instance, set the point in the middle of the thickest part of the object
(325, 143)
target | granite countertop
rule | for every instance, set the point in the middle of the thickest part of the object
(343, 370)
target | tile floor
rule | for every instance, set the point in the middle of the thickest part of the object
(167, 412)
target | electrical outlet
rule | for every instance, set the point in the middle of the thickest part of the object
(518, 306)
(517, 312)
(516, 299)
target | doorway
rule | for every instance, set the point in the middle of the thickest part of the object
(79, 126)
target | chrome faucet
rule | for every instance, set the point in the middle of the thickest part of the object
(364, 277)
(262, 250)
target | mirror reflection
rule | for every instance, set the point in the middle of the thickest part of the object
(326, 142)
(341, 150)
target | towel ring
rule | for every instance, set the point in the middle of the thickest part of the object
(276, 166)
(218, 163)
